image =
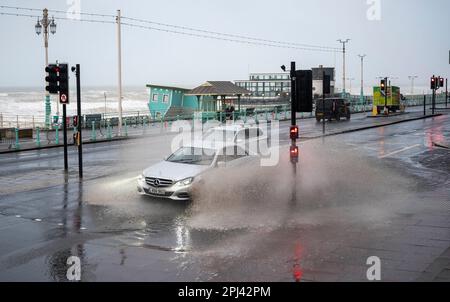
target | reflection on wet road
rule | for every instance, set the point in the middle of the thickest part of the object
(380, 192)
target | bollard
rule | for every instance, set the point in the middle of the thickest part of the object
(93, 132)
(17, 138)
(109, 132)
(256, 116)
(126, 127)
(57, 135)
(267, 116)
(38, 137)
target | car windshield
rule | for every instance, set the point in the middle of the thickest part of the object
(220, 135)
(193, 155)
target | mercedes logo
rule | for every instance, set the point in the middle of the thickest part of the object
(157, 182)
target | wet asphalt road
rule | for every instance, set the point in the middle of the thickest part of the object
(381, 192)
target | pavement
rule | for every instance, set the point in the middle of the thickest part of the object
(380, 192)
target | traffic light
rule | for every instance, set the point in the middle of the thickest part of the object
(304, 92)
(441, 82)
(52, 78)
(433, 83)
(58, 81)
(75, 121)
(294, 154)
(294, 132)
(383, 85)
(63, 78)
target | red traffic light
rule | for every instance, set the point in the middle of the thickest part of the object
(294, 132)
(294, 153)
(441, 82)
(433, 83)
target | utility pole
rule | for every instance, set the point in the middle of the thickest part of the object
(362, 77)
(343, 69)
(412, 78)
(119, 58)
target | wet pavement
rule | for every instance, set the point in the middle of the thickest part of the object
(379, 192)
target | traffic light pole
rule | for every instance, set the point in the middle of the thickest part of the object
(446, 92)
(66, 163)
(80, 138)
(293, 123)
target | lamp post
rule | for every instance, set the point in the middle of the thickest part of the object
(343, 70)
(47, 24)
(350, 80)
(362, 78)
(412, 78)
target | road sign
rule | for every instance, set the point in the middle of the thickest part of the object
(63, 99)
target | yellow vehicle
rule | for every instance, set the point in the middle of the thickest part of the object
(392, 102)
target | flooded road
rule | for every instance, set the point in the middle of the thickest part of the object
(380, 192)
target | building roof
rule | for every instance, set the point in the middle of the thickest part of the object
(218, 88)
(166, 87)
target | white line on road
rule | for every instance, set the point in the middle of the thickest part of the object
(399, 151)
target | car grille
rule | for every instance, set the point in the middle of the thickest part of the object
(158, 182)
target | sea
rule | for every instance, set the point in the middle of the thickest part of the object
(30, 101)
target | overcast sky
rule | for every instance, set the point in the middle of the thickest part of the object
(411, 38)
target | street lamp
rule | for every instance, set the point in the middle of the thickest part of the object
(38, 27)
(343, 72)
(45, 24)
(412, 78)
(350, 80)
(53, 26)
(362, 77)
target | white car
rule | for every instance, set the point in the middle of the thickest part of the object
(244, 136)
(173, 177)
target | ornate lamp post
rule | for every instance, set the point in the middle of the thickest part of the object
(47, 24)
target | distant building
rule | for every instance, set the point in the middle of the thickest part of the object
(266, 85)
(318, 79)
(212, 96)
(275, 85)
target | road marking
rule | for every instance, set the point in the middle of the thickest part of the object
(399, 151)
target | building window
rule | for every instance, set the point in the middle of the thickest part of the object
(155, 98)
(166, 98)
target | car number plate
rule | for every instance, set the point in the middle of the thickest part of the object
(157, 191)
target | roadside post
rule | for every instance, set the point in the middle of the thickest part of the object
(93, 134)
(294, 133)
(78, 136)
(446, 92)
(17, 144)
(424, 104)
(38, 137)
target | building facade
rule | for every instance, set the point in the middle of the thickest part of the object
(275, 85)
(163, 99)
(318, 80)
(266, 85)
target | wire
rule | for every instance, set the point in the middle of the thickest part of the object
(183, 30)
(224, 39)
(229, 35)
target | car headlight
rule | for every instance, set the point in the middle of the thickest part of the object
(141, 177)
(185, 182)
